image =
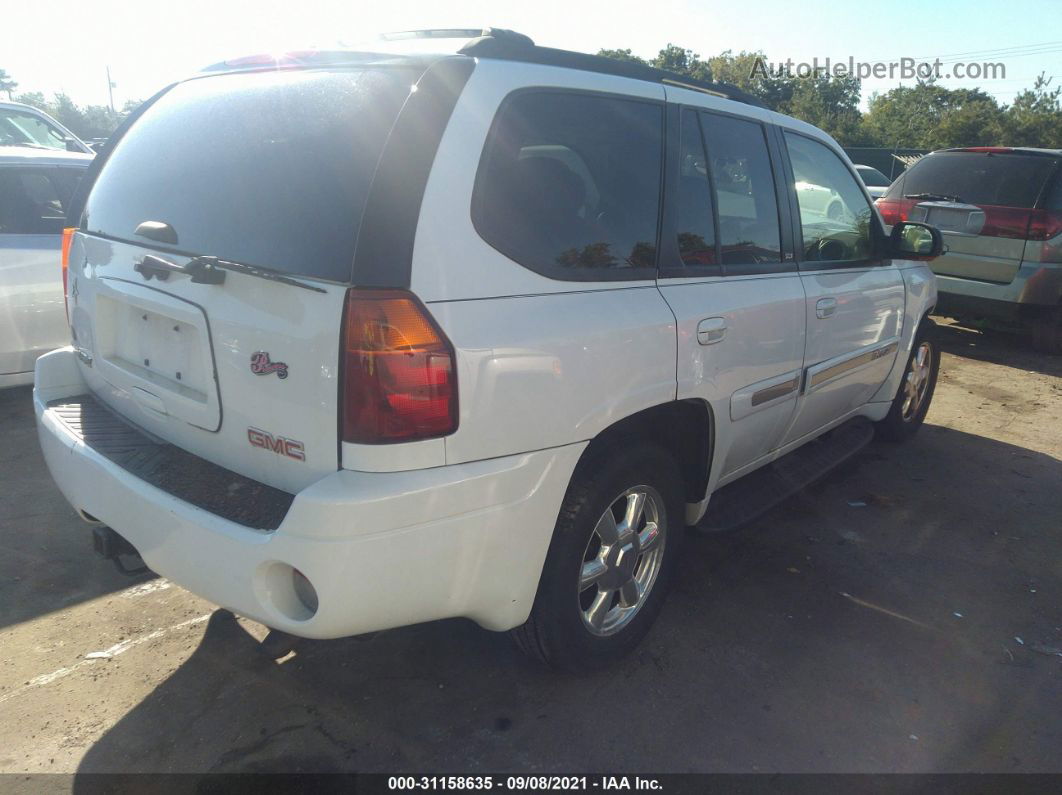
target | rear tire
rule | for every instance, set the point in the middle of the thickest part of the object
(916, 389)
(605, 579)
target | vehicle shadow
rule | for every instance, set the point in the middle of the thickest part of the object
(46, 560)
(996, 347)
(866, 624)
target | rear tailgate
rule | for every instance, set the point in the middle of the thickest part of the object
(975, 250)
(268, 172)
(983, 200)
(185, 362)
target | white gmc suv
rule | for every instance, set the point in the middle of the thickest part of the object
(361, 340)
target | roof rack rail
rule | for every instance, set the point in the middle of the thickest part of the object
(508, 45)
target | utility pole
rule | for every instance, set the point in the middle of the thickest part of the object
(110, 88)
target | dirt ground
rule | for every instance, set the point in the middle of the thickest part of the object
(898, 616)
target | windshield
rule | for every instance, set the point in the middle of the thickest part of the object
(270, 169)
(19, 128)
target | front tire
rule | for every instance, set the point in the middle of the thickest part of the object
(915, 393)
(611, 559)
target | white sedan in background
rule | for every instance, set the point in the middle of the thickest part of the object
(35, 187)
(876, 182)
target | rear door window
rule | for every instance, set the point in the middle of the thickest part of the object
(569, 184)
(740, 165)
(33, 199)
(984, 179)
(694, 217)
(269, 169)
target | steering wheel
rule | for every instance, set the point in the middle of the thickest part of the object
(830, 249)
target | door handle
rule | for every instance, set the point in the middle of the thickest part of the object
(825, 307)
(711, 330)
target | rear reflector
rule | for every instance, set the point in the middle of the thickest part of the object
(399, 383)
(68, 238)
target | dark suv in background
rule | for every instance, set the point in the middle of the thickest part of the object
(1000, 211)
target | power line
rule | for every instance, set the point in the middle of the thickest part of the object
(1002, 57)
(990, 52)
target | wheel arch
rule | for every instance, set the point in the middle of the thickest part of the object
(684, 428)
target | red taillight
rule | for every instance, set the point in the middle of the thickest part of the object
(1045, 224)
(1006, 222)
(68, 238)
(399, 383)
(895, 210)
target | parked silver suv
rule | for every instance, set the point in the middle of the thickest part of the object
(1000, 212)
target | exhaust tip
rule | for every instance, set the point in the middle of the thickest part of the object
(111, 546)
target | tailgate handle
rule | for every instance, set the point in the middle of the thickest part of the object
(200, 269)
(149, 401)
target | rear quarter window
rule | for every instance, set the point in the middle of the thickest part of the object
(569, 184)
(270, 169)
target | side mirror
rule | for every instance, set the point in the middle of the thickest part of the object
(72, 145)
(911, 240)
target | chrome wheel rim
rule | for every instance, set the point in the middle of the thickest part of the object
(622, 560)
(916, 382)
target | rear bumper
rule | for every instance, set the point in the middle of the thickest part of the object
(381, 549)
(1035, 287)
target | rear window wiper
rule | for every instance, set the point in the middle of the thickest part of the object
(933, 197)
(209, 263)
(210, 270)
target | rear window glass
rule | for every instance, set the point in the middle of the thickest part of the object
(269, 169)
(33, 200)
(1000, 180)
(571, 181)
(872, 177)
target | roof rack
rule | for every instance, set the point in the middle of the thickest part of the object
(508, 45)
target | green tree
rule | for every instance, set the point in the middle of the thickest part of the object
(92, 121)
(1035, 116)
(682, 61)
(34, 98)
(622, 55)
(928, 116)
(7, 83)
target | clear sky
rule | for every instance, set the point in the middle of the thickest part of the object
(65, 45)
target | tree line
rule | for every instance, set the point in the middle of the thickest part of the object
(89, 121)
(922, 116)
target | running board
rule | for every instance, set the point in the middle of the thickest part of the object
(750, 497)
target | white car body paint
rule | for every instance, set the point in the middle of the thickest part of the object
(459, 525)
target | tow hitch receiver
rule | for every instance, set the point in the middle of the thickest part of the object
(108, 544)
